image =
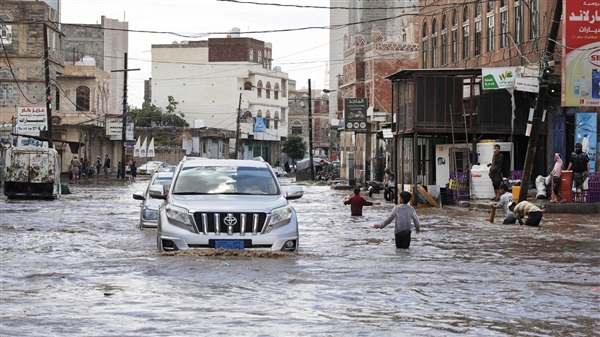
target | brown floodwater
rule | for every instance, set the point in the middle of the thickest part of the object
(80, 266)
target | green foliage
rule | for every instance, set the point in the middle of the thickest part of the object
(294, 147)
(150, 115)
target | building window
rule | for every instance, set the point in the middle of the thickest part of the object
(259, 56)
(296, 128)
(478, 10)
(424, 53)
(247, 85)
(454, 36)
(465, 34)
(454, 45)
(504, 29)
(6, 92)
(490, 34)
(434, 44)
(276, 92)
(478, 38)
(490, 6)
(444, 40)
(251, 55)
(82, 98)
(518, 23)
(534, 20)
(259, 89)
(268, 90)
(5, 30)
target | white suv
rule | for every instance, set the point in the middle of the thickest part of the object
(223, 203)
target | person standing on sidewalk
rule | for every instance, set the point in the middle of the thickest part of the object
(403, 213)
(557, 179)
(580, 163)
(107, 166)
(496, 171)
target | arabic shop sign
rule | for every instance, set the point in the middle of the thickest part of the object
(498, 78)
(355, 114)
(581, 60)
(31, 121)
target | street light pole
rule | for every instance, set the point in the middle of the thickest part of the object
(310, 133)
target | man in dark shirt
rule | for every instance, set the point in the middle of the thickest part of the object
(580, 163)
(357, 202)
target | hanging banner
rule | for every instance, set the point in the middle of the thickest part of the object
(31, 121)
(260, 124)
(143, 149)
(355, 114)
(150, 152)
(498, 78)
(580, 78)
(586, 126)
(136, 148)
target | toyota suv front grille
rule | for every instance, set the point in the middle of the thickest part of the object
(230, 223)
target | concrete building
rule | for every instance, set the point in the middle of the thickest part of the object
(226, 83)
(338, 20)
(103, 45)
(299, 120)
(26, 77)
(380, 39)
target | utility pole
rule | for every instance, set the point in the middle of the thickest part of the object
(238, 131)
(124, 118)
(540, 104)
(310, 133)
(48, 91)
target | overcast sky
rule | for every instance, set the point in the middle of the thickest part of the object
(303, 54)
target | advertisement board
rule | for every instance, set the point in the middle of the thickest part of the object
(355, 114)
(581, 58)
(30, 121)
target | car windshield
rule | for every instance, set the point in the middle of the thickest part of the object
(165, 181)
(225, 180)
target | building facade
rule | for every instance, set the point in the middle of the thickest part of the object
(226, 83)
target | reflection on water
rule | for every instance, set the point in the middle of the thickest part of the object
(80, 266)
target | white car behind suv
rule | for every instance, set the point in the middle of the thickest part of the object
(231, 204)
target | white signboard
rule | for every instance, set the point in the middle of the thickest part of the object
(528, 84)
(30, 121)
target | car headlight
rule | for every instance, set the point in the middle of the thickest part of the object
(179, 215)
(280, 216)
(150, 214)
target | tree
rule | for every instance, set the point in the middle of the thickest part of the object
(294, 147)
(151, 115)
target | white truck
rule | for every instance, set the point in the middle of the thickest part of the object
(32, 172)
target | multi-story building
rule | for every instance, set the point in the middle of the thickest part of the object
(380, 39)
(226, 83)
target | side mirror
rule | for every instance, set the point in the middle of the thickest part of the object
(138, 196)
(158, 191)
(294, 192)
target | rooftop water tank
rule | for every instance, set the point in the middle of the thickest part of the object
(235, 32)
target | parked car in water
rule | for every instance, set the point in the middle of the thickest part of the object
(279, 171)
(226, 203)
(151, 167)
(149, 205)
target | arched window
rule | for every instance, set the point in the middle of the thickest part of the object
(276, 92)
(259, 113)
(434, 44)
(268, 119)
(259, 56)
(444, 40)
(268, 90)
(465, 14)
(297, 128)
(251, 55)
(454, 36)
(247, 85)
(425, 46)
(465, 33)
(259, 89)
(82, 98)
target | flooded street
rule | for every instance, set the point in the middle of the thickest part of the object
(80, 266)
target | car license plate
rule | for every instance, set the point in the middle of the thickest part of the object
(230, 244)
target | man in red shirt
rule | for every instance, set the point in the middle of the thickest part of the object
(357, 202)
